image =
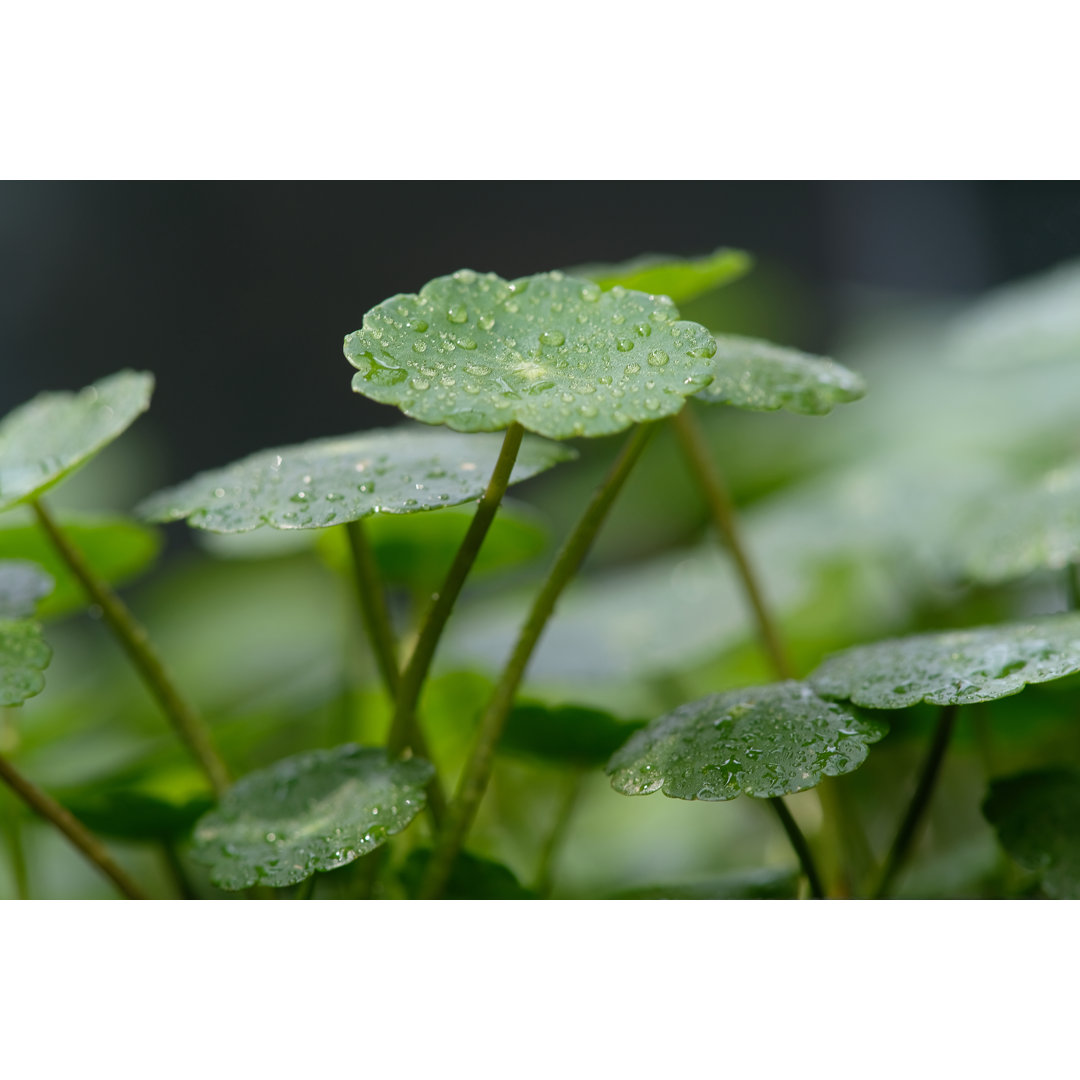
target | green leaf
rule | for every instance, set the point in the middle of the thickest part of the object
(331, 481)
(669, 275)
(117, 550)
(315, 811)
(22, 585)
(132, 814)
(1037, 818)
(955, 667)
(762, 884)
(763, 741)
(49, 437)
(565, 734)
(758, 375)
(24, 655)
(1030, 528)
(553, 353)
(472, 878)
(1029, 322)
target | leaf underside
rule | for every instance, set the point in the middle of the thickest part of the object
(1037, 818)
(553, 353)
(22, 585)
(314, 811)
(24, 655)
(757, 375)
(332, 481)
(49, 437)
(763, 741)
(953, 668)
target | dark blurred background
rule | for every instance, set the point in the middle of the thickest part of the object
(237, 295)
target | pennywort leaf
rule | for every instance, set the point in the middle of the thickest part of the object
(24, 655)
(332, 481)
(314, 811)
(565, 734)
(472, 878)
(49, 437)
(554, 353)
(954, 667)
(763, 741)
(670, 275)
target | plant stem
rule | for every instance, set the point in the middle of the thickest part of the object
(905, 835)
(477, 770)
(403, 726)
(560, 828)
(373, 609)
(133, 637)
(1072, 585)
(802, 848)
(73, 829)
(176, 869)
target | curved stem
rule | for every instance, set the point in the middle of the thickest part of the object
(133, 637)
(184, 888)
(905, 835)
(477, 770)
(802, 848)
(403, 726)
(71, 827)
(553, 843)
(373, 609)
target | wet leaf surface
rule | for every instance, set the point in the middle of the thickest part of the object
(1037, 818)
(681, 279)
(49, 437)
(763, 741)
(314, 811)
(752, 374)
(22, 585)
(332, 481)
(553, 353)
(955, 667)
(24, 655)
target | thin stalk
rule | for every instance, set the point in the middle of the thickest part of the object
(1072, 585)
(373, 610)
(905, 835)
(17, 848)
(133, 637)
(71, 827)
(403, 725)
(802, 848)
(176, 869)
(553, 843)
(477, 770)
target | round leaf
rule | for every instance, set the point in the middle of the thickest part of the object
(764, 741)
(314, 811)
(953, 668)
(24, 655)
(752, 374)
(571, 734)
(332, 481)
(52, 435)
(556, 354)
(471, 878)
(116, 549)
(22, 585)
(1037, 818)
(681, 279)
(133, 814)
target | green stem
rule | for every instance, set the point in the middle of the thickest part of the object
(802, 848)
(403, 727)
(373, 609)
(559, 830)
(184, 888)
(916, 810)
(306, 889)
(477, 770)
(71, 827)
(133, 637)
(1072, 585)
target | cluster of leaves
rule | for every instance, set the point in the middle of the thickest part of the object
(648, 673)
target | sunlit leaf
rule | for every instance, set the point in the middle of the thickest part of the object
(669, 275)
(953, 667)
(553, 353)
(472, 878)
(763, 741)
(22, 585)
(24, 655)
(565, 734)
(1033, 321)
(315, 811)
(1037, 818)
(764, 884)
(751, 374)
(52, 435)
(116, 549)
(332, 481)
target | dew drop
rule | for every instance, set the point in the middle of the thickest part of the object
(590, 293)
(652, 404)
(420, 384)
(552, 337)
(643, 329)
(632, 369)
(419, 346)
(658, 358)
(485, 322)
(624, 345)
(420, 326)
(457, 313)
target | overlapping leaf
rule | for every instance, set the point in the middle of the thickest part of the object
(1037, 818)
(763, 741)
(49, 437)
(752, 374)
(669, 275)
(955, 667)
(332, 481)
(471, 878)
(315, 811)
(553, 353)
(565, 734)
